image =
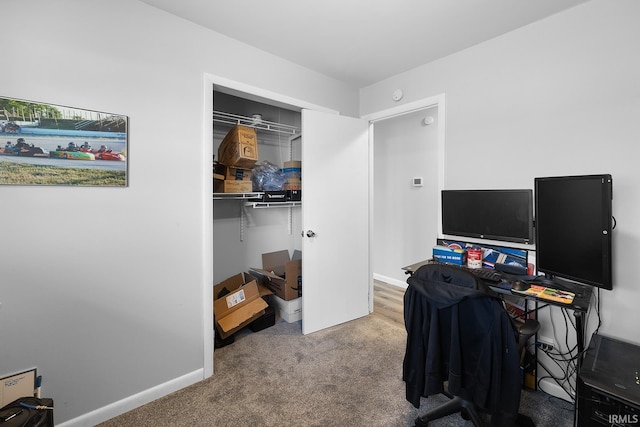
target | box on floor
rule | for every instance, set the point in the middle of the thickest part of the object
(281, 274)
(238, 301)
(290, 311)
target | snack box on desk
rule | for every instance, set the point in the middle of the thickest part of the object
(449, 255)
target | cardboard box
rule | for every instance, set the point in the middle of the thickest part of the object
(240, 306)
(228, 186)
(281, 274)
(16, 386)
(449, 255)
(234, 282)
(290, 311)
(239, 147)
(232, 173)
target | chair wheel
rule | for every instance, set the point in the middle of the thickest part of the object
(464, 414)
(421, 423)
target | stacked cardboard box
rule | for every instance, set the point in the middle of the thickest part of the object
(231, 179)
(237, 154)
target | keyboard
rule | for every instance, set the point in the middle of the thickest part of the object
(485, 274)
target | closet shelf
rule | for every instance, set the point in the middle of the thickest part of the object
(235, 119)
(237, 196)
(255, 204)
(273, 204)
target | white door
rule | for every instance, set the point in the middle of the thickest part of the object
(336, 276)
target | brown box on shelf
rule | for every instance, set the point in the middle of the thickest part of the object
(228, 186)
(281, 274)
(232, 173)
(241, 306)
(239, 147)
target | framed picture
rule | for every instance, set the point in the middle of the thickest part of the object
(48, 144)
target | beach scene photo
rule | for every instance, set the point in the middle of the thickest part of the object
(48, 144)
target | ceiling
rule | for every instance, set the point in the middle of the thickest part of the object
(361, 42)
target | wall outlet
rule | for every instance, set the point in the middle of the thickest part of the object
(546, 344)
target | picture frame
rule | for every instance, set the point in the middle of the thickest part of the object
(50, 144)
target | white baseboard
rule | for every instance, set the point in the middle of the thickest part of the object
(127, 404)
(390, 280)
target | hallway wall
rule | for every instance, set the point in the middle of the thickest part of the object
(405, 216)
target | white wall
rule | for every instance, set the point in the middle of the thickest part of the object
(405, 217)
(102, 288)
(557, 97)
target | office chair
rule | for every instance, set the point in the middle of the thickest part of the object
(459, 333)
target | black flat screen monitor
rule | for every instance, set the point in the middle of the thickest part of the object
(504, 215)
(573, 228)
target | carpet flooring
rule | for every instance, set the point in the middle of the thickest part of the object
(347, 375)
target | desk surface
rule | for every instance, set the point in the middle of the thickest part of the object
(580, 302)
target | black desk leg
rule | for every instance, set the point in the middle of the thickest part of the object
(580, 344)
(579, 336)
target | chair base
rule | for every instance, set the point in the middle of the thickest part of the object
(467, 409)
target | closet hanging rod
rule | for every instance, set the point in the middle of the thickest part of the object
(235, 119)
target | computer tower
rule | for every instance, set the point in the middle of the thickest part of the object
(608, 386)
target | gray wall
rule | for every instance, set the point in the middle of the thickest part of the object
(557, 97)
(101, 288)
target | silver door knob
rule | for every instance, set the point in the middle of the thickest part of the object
(310, 233)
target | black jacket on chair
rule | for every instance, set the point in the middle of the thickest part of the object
(458, 331)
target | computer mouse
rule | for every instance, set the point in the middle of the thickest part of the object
(518, 285)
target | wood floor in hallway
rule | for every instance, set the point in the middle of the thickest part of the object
(388, 302)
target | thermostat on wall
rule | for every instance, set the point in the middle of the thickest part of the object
(417, 181)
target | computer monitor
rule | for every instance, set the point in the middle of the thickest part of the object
(573, 225)
(503, 215)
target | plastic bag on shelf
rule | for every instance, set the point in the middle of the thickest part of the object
(268, 177)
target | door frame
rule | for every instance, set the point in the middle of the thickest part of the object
(213, 82)
(437, 101)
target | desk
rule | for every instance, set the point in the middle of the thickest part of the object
(579, 305)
